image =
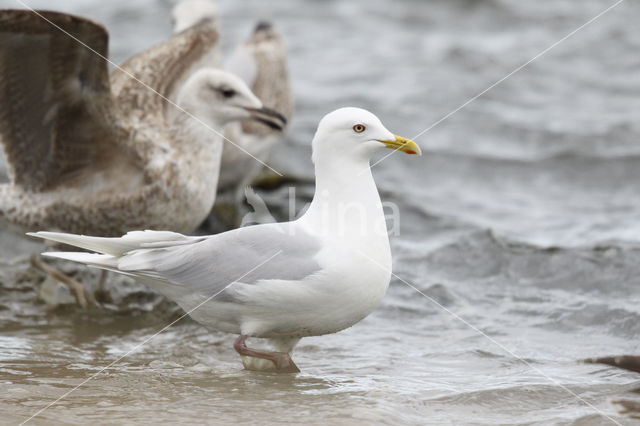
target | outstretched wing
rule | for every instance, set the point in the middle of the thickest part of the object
(142, 84)
(56, 111)
(262, 62)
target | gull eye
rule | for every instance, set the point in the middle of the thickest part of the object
(359, 128)
(228, 93)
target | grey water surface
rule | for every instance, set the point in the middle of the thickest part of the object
(518, 251)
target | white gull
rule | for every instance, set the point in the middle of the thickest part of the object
(316, 275)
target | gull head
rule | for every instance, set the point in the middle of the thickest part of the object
(188, 13)
(219, 98)
(356, 133)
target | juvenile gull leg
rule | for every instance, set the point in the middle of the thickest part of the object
(77, 290)
(282, 361)
(101, 293)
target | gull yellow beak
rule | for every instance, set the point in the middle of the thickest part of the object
(402, 144)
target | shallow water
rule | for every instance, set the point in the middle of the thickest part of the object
(519, 224)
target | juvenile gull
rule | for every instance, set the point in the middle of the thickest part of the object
(94, 154)
(316, 275)
(261, 61)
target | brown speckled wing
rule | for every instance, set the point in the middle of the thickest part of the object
(163, 68)
(56, 112)
(271, 80)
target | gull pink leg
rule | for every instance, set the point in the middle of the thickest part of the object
(282, 361)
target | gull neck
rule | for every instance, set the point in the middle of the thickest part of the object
(346, 203)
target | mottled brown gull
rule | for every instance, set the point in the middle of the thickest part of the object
(94, 154)
(316, 275)
(261, 61)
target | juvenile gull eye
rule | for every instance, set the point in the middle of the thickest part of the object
(359, 128)
(228, 93)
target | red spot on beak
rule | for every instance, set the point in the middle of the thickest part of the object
(410, 152)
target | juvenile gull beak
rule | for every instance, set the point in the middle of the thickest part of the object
(402, 144)
(267, 116)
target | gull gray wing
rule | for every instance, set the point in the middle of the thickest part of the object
(162, 68)
(247, 255)
(262, 62)
(56, 111)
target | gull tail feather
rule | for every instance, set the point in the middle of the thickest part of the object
(100, 261)
(125, 255)
(117, 246)
(104, 261)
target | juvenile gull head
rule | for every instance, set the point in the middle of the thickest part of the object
(220, 97)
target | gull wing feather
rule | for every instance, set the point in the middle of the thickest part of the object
(248, 255)
(262, 62)
(144, 82)
(118, 246)
(57, 117)
(274, 251)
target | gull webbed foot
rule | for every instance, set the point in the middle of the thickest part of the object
(282, 362)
